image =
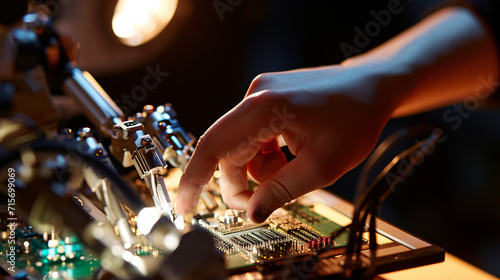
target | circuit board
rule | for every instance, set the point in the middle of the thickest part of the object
(47, 257)
(286, 234)
(291, 234)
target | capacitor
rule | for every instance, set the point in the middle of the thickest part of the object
(229, 217)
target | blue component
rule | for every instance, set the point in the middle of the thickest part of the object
(176, 141)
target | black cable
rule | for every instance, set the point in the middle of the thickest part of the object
(369, 199)
(382, 149)
(379, 191)
(409, 156)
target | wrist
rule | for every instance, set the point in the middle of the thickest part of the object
(394, 79)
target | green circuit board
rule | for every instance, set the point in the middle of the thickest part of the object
(46, 259)
(288, 233)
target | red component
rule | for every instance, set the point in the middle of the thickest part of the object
(315, 243)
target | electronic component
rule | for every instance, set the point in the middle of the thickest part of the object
(96, 103)
(49, 254)
(246, 244)
(169, 136)
(129, 141)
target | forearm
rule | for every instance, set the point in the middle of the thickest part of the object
(331, 117)
(440, 61)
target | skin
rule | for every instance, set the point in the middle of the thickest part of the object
(331, 117)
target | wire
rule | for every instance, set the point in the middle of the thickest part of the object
(384, 147)
(368, 200)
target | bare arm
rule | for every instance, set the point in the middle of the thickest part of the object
(331, 117)
(446, 55)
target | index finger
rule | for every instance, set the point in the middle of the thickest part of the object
(234, 137)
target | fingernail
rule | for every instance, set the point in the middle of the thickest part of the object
(261, 213)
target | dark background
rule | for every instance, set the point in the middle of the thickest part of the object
(452, 200)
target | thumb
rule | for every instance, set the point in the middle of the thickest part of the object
(310, 170)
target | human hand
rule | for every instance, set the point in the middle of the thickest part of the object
(330, 118)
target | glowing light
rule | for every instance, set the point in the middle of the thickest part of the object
(136, 22)
(147, 218)
(152, 5)
(127, 256)
(171, 241)
(122, 27)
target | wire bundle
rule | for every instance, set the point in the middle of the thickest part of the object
(368, 200)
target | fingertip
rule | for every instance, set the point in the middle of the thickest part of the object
(181, 207)
(259, 213)
(187, 197)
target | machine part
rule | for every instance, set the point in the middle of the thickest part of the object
(147, 158)
(117, 216)
(100, 238)
(148, 162)
(94, 101)
(169, 136)
(32, 99)
(159, 192)
(99, 184)
(63, 75)
(123, 141)
(209, 200)
(27, 49)
(204, 263)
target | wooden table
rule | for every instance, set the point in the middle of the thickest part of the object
(452, 268)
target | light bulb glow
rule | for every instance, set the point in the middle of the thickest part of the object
(136, 22)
